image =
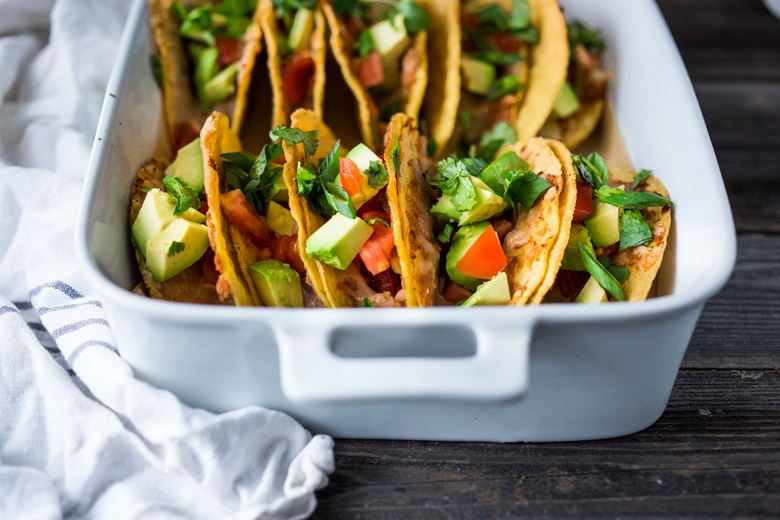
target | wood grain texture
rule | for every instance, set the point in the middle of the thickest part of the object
(715, 452)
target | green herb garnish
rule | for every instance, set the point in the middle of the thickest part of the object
(186, 196)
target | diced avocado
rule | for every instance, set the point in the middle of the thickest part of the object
(338, 241)
(566, 103)
(488, 205)
(462, 241)
(220, 86)
(497, 169)
(300, 32)
(279, 190)
(603, 224)
(157, 212)
(493, 292)
(179, 245)
(572, 259)
(280, 220)
(363, 157)
(188, 165)
(592, 292)
(206, 67)
(477, 75)
(279, 284)
(390, 40)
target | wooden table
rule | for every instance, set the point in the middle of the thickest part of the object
(716, 449)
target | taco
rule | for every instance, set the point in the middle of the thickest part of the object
(294, 34)
(253, 233)
(618, 234)
(495, 61)
(365, 233)
(501, 222)
(580, 105)
(205, 55)
(383, 58)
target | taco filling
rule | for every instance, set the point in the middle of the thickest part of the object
(206, 54)
(381, 50)
(295, 38)
(618, 235)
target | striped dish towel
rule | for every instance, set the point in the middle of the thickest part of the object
(80, 437)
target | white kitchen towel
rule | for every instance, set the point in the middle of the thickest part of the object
(79, 436)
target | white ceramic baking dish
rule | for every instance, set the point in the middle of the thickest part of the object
(544, 373)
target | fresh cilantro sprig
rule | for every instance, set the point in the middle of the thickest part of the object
(186, 196)
(285, 9)
(452, 178)
(592, 169)
(256, 177)
(502, 86)
(602, 275)
(321, 186)
(176, 248)
(414, 16)
(581, 34)
(293, 136)
(377, 174)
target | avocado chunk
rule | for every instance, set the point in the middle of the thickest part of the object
(157, 212)
(391, 41)
(206, 67)
(300, 32)
(572, 258)
(488, 205)
(603, 224)
(363, 158)
(591, 292)
(279, 191)
(278, 284)
(188, 165)
(566, 103)
(462, 241)
(493, 292)
(179, 245)
(221, 85)
(280, 220)
(477, 75)
(338, 241)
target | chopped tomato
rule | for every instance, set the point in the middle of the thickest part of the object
(245, 218)
(296, 76)
(485, 258)
(469, 20)
(506, 42)
(455, 293)
(375, 253)
(584, 206)
(369, 70)
(350, 176)
(229, 51)
(285, 248)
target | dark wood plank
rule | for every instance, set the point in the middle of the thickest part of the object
(713, 453)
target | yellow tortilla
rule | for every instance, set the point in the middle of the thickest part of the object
(235, 282)
(548, 62)
(407, 194)
(533, 240)
(313, 99)
(643, 262)
(183, 114)
(342, 47)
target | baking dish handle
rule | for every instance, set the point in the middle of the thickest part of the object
(311, 371)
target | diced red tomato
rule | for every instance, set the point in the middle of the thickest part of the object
(375, 253)
(285, 248)
(469, 20)
(245, 218)
(350, 176)
(369, 70)
(584, 206)
(485, 258)
(296, 76)
(455, 293)
(506, 42)
(229, 51)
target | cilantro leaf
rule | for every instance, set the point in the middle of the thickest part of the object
(186, 196)
(525, 188)
(620, 272)
(640, 177)
(377, 174)
(354, 8)
(581, 34)
(176, 248)
(592, 169)
(445, 236)
(255, 177)
(364, 44)
(157, 69)
(326, 195)
(503, 86)
(634, 230)
(601, 273)
(293, 136)
(395, 154)
(415, 17)
(631, 199)
(494, 138)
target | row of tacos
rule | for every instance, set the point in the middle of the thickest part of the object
(458, 67)
(308, 223)
(463, 190)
